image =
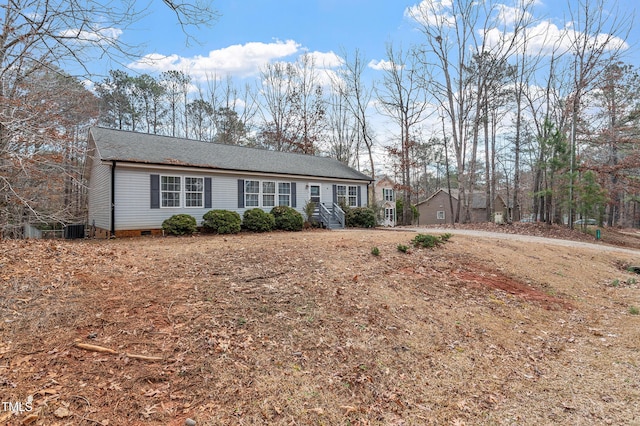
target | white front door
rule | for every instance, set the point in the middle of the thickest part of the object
(314, 194)
(389, 216)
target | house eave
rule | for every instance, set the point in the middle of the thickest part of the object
(203, 168)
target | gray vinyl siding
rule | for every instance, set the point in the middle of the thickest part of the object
(133, 195)
(133, 199)
(100, 195)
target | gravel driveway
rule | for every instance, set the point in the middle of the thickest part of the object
(519, 237)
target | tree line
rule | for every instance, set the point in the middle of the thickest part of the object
(480, 103)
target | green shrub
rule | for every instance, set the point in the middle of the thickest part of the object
(375, 251)
(360, 217)
(180, 224)
(257, 220)
(287, 218)
(403, 248)
(222, 221)
(445, 237)
(427, 241)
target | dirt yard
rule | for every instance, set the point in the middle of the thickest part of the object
(310, 328)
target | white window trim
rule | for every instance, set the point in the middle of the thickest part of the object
(279, 194)
(261, 193)
(440, 215)
(184, 190)
(388, 194)
(182, 203)
(319, 190)
(347, 196)
(273, 194)
(162, 206)
(246, 193)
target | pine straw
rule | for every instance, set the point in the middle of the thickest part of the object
(310, 328)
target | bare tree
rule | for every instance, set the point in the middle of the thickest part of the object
(309, 106)
(277, 87)
(176, 86)
(358, 96)
(38, 36)
(448, 31)
(343, 129)
(467, 40)
(403, 97)
(595, 42)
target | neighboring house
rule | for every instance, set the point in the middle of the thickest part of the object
(138, 180)
(436, 209)
(385, 196)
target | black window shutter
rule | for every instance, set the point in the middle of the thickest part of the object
(335, 194)
(240, 193)
(359, 196)
(293, 195)
(207, 193)
(155, 191)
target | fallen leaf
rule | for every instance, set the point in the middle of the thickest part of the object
(62, 412)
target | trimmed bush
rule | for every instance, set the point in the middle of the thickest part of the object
(287, 218)
(222, 221)
(180, 224)
(360, 217)
(257, 220)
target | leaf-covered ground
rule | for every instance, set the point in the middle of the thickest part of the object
(311, 329)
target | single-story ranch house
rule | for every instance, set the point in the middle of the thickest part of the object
(138, 180)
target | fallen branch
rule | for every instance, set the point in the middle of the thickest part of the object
(95, 348)
(102, 349)
(144, 357)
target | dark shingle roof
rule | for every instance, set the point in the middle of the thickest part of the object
(135, 147)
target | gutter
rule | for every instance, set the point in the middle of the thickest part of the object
(113, 199)
(186, 166)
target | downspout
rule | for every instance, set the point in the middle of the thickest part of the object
(113, 199)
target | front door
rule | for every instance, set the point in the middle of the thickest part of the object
(314, 194)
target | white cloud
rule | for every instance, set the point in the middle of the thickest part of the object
(326, 59)
(238, 60)
(546, 37)
(99, 35)
(509, 16)
(432, 13)
(381, 65)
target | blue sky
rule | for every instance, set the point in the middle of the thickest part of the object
(250, 33)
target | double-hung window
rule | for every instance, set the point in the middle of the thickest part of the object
(341, 194)
(388, 194)
(170, 191)
(284, 194)
(194, 192)
(268, 194)
(251, 193)
(353, 196)
(347, 195)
